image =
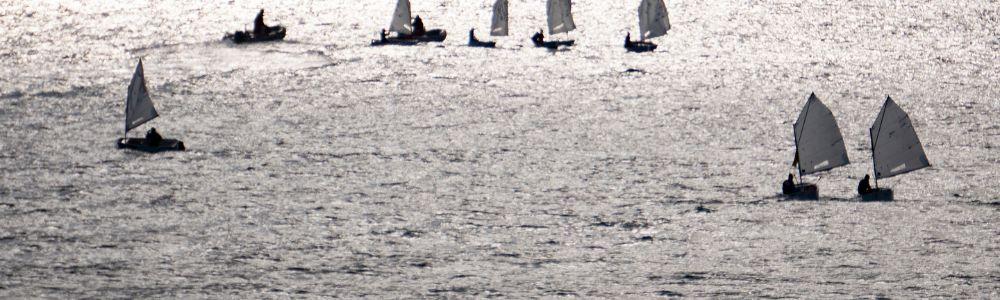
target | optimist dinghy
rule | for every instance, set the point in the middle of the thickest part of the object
(139, 109)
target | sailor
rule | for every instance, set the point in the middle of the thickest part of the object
(472, 36)
(539, 37)
(382, 34)
(418, 27)
(628, 39)
(863, 186)
(153, 138)
(259, 29)
(788, 187)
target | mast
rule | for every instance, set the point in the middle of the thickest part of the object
(128, 103)
(871, 137)
(806, 117)
(872, 141)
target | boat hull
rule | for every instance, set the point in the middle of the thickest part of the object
(481, 44)
(394, 41)
(140, 144)
(433, 35)
(640, 47)
(553, 44)
(276, 33)
(880, 194)
(804, 191)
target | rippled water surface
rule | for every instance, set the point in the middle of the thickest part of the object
(319, 166)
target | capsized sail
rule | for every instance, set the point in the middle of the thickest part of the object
(895, 146)
(401, 18)
(138, 106)
(818, 141)
(653, 19)
(499, 26)
(560, 16)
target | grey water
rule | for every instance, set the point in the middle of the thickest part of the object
(320, 166)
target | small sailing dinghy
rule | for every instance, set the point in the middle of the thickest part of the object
(139, 110)
(497, 28)
(560, 19)
(896, 149)
(408, 33)
(819, 146)
(653, 22)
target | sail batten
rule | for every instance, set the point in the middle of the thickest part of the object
(818, 141)
(653, 19)
(560, 16)
(401, 18)
(499, 26)
(896, 149)
(139, 107)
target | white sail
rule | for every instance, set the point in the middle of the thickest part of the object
(895, 146)
(138, 106)
(653, 19)
(818, 141)
(401, 18)
(499, 26)
(560, 16)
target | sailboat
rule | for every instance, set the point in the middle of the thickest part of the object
(497, 28)
(653, 22)
(819, 146)
(560, 18)
(896, 149)
(408, 33)
(139, 109)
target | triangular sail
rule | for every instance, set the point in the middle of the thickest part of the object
(401, 18)
(499, 26)
(653, 19)
(895, 146)
(818, 141)
(138, 106)
(560, 15)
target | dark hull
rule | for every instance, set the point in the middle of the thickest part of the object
(476, 43)
(878, 195)
(433, 35)
(394, 41)
(141, 145)
(553, 44)
(804, 191)
(277, 33)
(640, 47)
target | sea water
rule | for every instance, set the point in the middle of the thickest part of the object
(320, 166)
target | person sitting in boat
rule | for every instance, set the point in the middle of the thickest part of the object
(153, 138)
(788, 187)
(628, 40)
(539, 37)
(418, 27)
(259, 28)
(383, 34)
(864, 187)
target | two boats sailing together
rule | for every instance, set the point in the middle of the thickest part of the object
(819, 147)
